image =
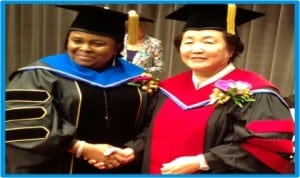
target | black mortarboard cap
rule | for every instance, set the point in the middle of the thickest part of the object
(213, 16)
(144, 19)
(141, 18)
(98, 20)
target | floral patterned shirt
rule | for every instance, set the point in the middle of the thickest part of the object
(149, 56)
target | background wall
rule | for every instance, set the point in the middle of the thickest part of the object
(34, 31)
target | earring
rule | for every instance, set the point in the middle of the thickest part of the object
(114, 61)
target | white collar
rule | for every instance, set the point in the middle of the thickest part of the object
(198, 84)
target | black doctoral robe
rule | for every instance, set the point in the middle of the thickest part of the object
(54, 102)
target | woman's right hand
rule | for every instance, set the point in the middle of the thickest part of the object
(115, 157)
(94, 153)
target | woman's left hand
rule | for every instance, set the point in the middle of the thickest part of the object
(181, 165)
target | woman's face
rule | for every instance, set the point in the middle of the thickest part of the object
(205, 51)
(142, 30)
(90, 50)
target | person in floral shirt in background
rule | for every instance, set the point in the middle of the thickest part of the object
(216, 118)
(147, 52)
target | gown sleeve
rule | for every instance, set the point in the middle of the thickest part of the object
(256, 138)
(36, 131)
(138, 142)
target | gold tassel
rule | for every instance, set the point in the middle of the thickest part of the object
(231, 14)
(133, 25)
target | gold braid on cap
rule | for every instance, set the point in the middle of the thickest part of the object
(231, 14)
(133, 25)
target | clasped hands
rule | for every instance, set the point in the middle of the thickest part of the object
(105, 156)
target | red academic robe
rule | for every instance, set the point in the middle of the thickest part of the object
(230, 137)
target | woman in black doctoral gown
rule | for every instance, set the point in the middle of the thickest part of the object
(78, 105)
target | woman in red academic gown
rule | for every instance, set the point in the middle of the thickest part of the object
(199, 129)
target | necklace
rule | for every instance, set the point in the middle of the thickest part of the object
(107, 119)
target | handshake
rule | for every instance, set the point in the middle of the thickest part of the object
(104, 156)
